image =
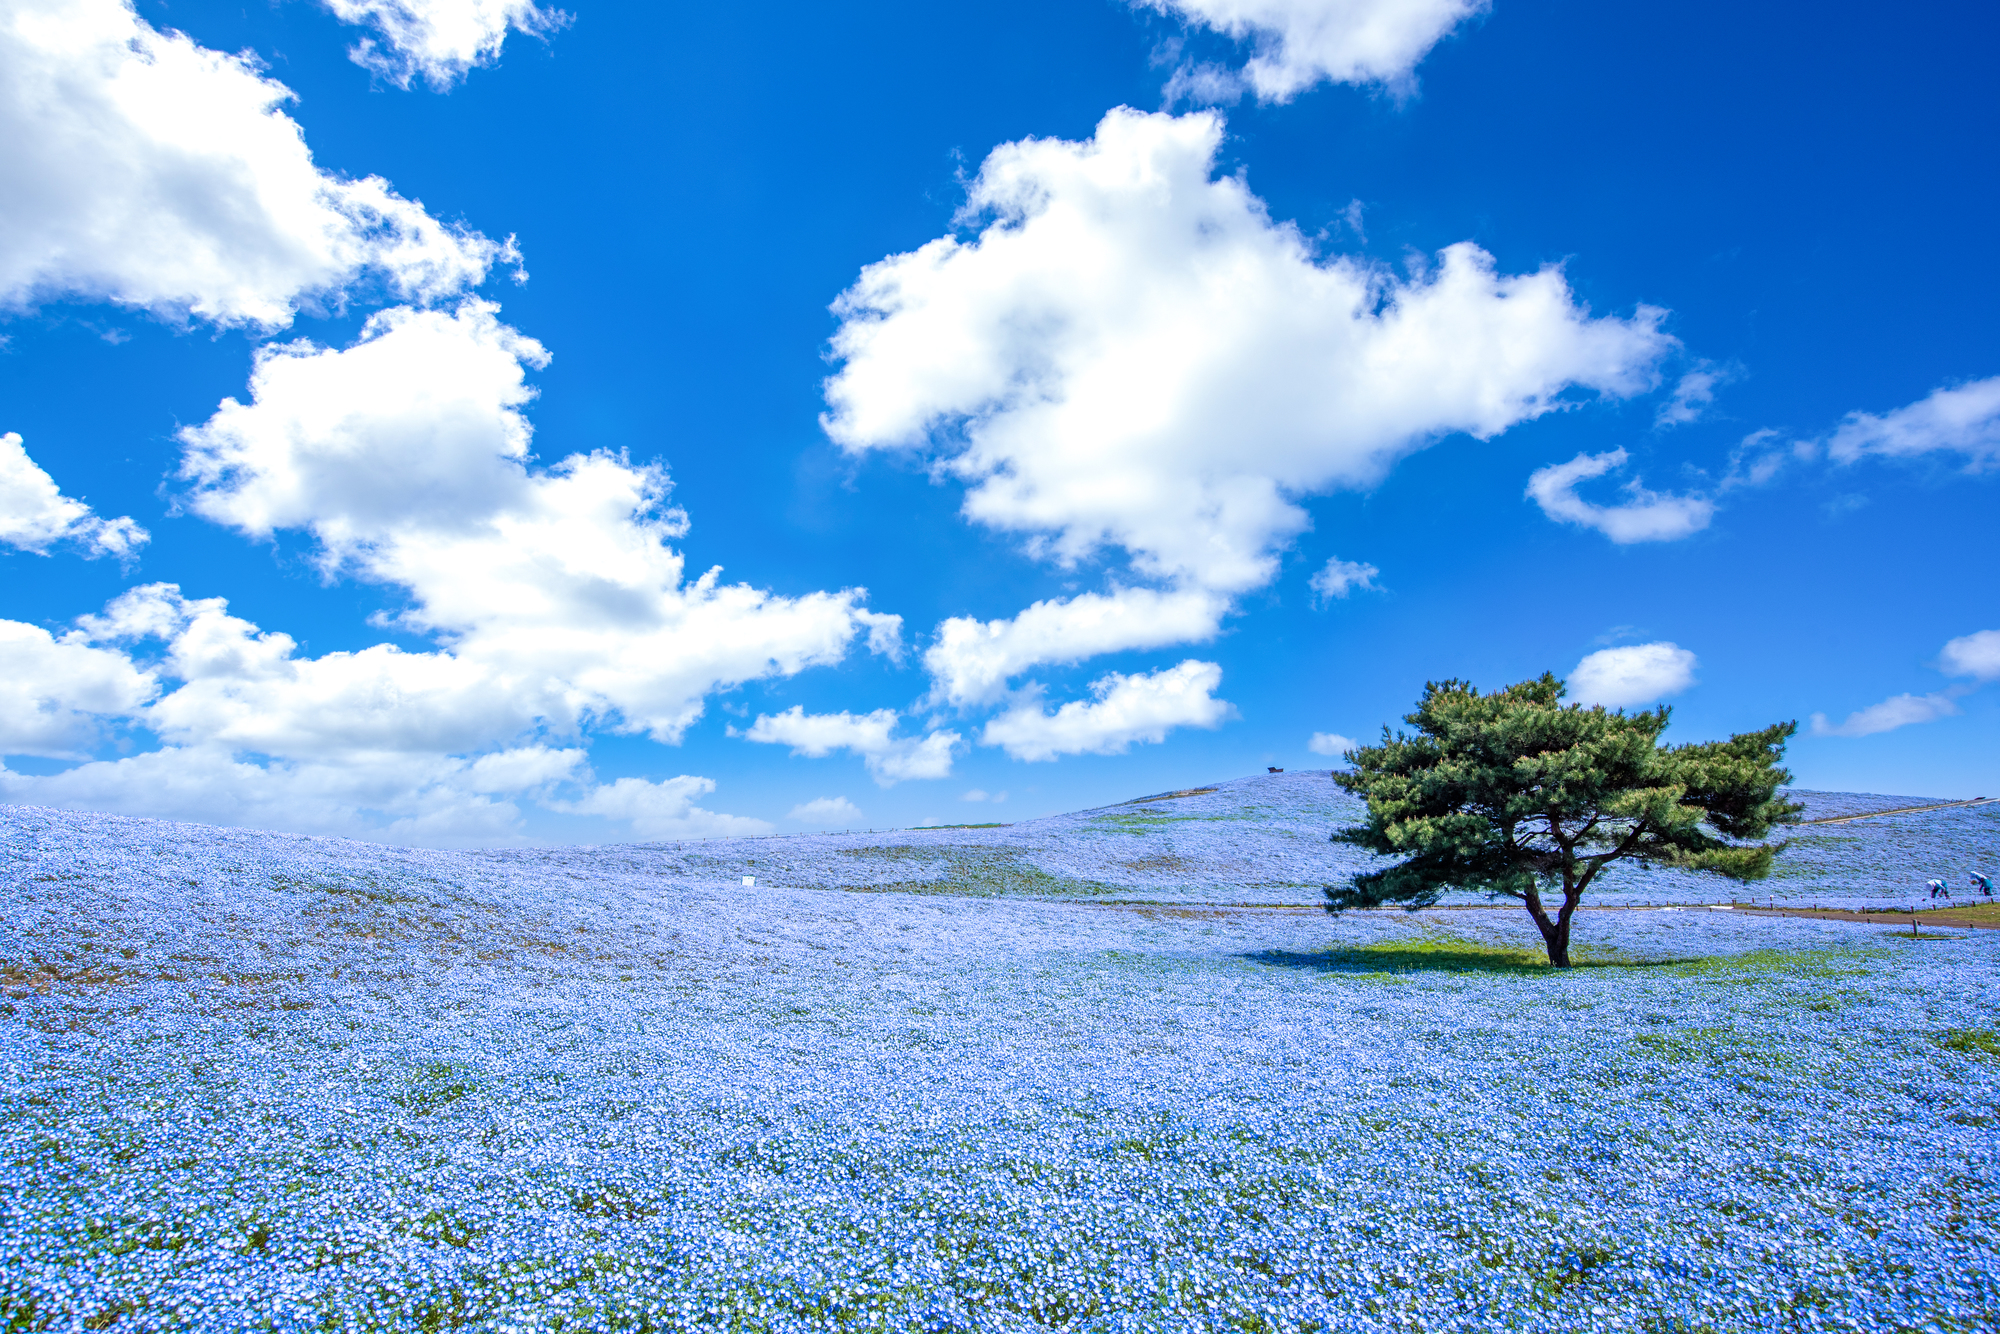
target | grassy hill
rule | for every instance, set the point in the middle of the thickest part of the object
(1059, 1075)
(1264, 839)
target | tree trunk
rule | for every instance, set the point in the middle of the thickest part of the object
(1555, 934)
(1559, 944)
(1557, 939)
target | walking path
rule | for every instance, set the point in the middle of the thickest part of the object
(1972, 914)
(1902, 810)
(1986, 915)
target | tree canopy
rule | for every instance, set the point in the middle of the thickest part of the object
(1517, 795)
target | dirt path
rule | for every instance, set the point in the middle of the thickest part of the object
(1901, 810)
(1972, 914)
(1986, 915)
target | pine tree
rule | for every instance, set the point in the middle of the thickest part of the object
(1517, 795)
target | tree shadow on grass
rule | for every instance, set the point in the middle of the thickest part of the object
(1437, 956)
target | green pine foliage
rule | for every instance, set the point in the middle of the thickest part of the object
(1517, 795)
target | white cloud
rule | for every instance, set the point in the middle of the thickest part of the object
(147, 171)
(1693, 395)
(1301, 42)
(426, 799)
(1760, 456)
(1964, 420)
(1133, 354)
(1647, 517)
(1633, 674)
(981, 794)
(413, 747)
(248, 691)
(1126, 709)
(418, 424)
(1337, 578)
(1330, 743)
(35, 514)
(439, 39)
(55, 692)
(406, 456)
(664, 809)
(890, 759)
(972, 659)
(826, 810)
(1975, 655)
(554, 595)
(1898, 711)
(522, 770)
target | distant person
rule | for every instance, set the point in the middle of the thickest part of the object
(1937, 889)
(1983, 883)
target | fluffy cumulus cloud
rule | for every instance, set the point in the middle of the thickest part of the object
(1892, 713)
(1963, 419)
(418, 424)
(438, 40)
(1632, 674)
(407, 457)
(890, 759)
(1299, 43)
(35, 514)
(1976, 656)
(249, 690)
(972, 660)
(826, 811)
(426, 799)
(1132, 353)
(418, 747)
(554, 597)
(57, 693)
(664, 809)
(1330, 743)
(1337, 578)
(148, 171)
(1123, 710)
(1645, 516)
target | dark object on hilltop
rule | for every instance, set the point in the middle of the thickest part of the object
(1271, 768)
(1518, 795)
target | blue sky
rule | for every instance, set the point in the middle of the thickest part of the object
(1079, 399)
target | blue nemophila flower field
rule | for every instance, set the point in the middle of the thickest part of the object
(1060, 1076)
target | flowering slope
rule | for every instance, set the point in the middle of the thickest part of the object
(269, 1081)
(1264, 840)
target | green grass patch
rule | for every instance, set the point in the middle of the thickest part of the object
(361, 889)
(435, 1084)
(972, 871)
(1151, 819)
(1441, 952)
(1138, 822)
(1981, 1041)
(1755, 964)
(1427, 953)
(1719, 1047)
